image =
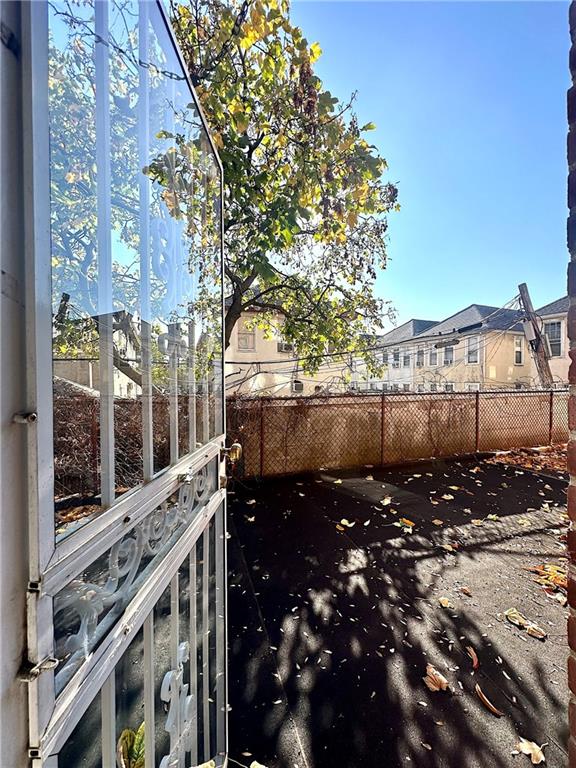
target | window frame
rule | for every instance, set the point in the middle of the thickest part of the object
(471, 350)
(559, 340)
(519, 348)
(445, 351)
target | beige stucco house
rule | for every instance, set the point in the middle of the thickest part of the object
(263, 364)
(478, 348)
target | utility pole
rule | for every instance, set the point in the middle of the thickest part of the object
(535, 338)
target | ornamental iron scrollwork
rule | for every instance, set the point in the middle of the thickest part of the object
(89, 606)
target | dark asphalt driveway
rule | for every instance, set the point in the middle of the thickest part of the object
(331, 630)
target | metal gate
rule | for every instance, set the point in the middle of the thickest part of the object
(127, 593)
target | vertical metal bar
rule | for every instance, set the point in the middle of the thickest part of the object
(206, 641)
(192, 385)
(477, 437)
(382, 428)
(221, 687)
(261, 437)
(150, 730)
(206, 403)
(174, 620)
(144, 244)
(551, 421)
(108, 703)
(105, 300)
(173, 346)
(194, 655)
(38, 362)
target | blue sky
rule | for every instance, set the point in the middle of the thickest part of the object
(469, 102)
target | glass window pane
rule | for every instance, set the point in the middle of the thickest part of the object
(136, 256)
(83, 747)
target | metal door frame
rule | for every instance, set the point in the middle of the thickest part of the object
(53, 564)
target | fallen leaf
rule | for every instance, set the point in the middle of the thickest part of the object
(386, 500)
(515, 617)
(530, 748)
(436, 521)
(476, 521)
(369, 477)
(251, 501)
(405, 521)
(347, 523)
(340, 527)
(426, 746)
(454, 487)
(435, 681)
(338, 482)
(250, 519)
(487, 703)
(466, 591)
(493, 517)
(447, 496)
(473, 655)
(445, 602)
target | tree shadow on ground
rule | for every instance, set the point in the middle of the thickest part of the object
(331, 630)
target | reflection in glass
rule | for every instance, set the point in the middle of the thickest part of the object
(129, 687)
(136, 256)
(163, 663)
(83, 748)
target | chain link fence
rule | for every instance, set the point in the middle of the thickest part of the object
(301, 434)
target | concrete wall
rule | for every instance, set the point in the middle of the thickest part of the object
(13, 504)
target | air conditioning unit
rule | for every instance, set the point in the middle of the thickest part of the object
(284, 346)
(297, 386)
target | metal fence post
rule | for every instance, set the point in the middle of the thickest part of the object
(382, 408)
(551, 422)
(262, 437)
(477, 439)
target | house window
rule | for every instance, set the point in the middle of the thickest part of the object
(396, 359)
(406, 360)
(433, 388)
(420, 387)
(284, 346)
(297, 386)
(420, 358)
(433, 357)
(553, 332)
(448, 355)
(246, 340)
(394, 387)
(317, 388)
(473, 386)
(448, 387)
(385, 358)
(406, 387)
(472, 350)
(518, 350)
(384, 387)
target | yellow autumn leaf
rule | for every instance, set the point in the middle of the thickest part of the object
(405, 521)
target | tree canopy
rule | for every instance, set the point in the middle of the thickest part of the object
(306, 199)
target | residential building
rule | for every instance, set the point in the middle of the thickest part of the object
(261, 363)
(481, 347)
